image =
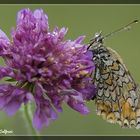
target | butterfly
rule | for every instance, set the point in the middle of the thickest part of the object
(117, 96)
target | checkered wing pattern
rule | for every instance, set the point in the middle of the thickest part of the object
(117, 98)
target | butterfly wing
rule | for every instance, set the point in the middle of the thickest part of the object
(118, 97)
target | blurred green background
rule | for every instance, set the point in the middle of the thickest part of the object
(82, 20)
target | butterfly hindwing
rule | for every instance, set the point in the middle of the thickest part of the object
(117, 97)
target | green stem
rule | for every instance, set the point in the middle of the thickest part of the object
(29, 120)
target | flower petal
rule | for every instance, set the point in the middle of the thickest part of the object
(11, 108)
(11, 98)
(44, 113)
(3, 35)
(44, 110)
(77, 103)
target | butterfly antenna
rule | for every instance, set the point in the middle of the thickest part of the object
(126, 27)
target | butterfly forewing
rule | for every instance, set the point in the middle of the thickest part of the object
(117, 97)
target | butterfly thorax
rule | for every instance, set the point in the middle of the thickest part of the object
(100, 52)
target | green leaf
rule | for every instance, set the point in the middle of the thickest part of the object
(10, 80)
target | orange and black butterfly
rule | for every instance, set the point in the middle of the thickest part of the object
(117, 97)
